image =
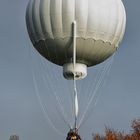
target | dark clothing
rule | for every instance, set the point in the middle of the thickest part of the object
(73, 136)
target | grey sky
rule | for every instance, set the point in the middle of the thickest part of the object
(20, 112)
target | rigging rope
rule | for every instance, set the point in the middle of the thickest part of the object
(106, 69)
(58, 100)
(43, 108)
(97, 97)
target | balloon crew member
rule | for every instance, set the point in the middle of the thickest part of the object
(73, 135)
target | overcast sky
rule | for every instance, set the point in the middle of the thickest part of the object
(20, 112)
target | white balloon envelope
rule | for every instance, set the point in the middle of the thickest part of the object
(99, 31)
(76, 34)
